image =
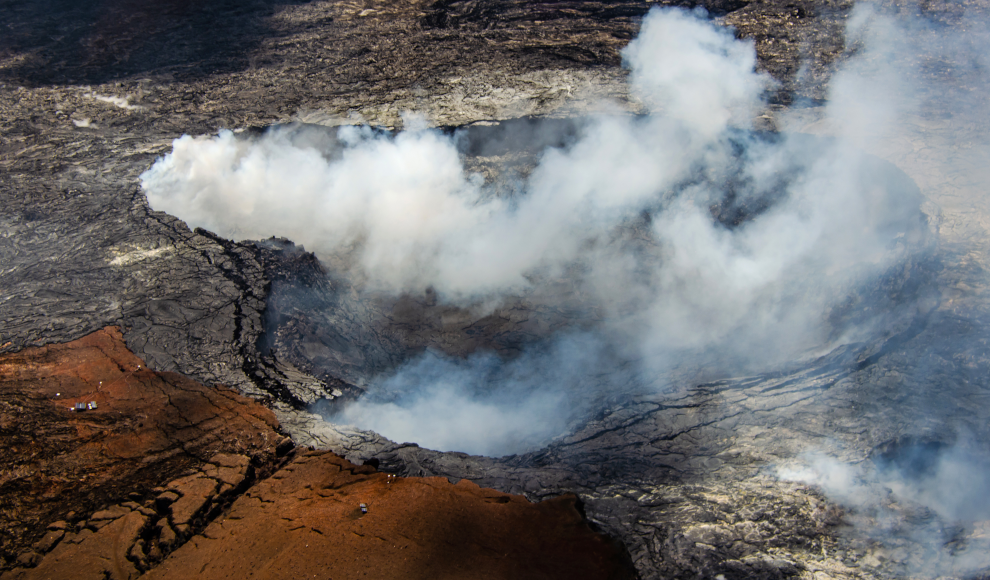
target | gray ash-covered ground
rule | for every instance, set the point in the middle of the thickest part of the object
(687, 478)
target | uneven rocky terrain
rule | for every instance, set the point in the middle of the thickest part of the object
(687, 479)
(61, 464)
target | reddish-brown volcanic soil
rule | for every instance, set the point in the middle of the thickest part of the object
(167, 476)
(148, 427)
(306, 522)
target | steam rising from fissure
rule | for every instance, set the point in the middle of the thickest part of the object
(697, 242)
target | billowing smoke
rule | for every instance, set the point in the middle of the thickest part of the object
(701, 243)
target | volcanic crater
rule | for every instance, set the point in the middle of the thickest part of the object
(752, 448)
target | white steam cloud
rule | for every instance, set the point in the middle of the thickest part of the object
(628, 206)
(413, 217)
(519, 401)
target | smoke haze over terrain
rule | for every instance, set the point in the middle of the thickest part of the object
(928, 494)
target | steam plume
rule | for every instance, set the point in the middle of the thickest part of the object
(624, 213)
